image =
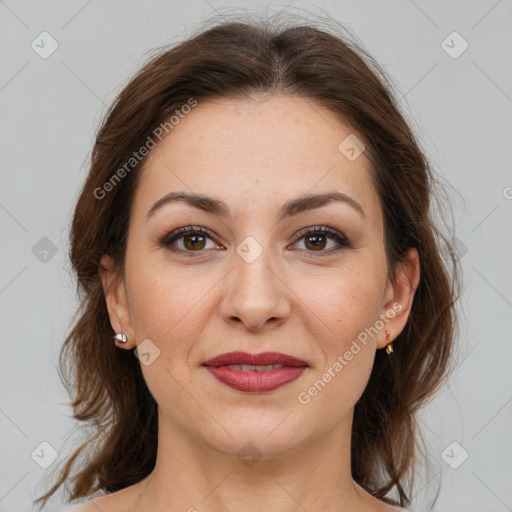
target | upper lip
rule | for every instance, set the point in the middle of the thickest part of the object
(263, 359)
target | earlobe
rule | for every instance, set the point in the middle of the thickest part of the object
(397, 309)
(116, 302)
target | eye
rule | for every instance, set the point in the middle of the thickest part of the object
(318, 238)
(194, 239)
(189, 239)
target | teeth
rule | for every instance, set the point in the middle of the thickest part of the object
(250, 367)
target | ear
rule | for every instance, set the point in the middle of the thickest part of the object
(399, 297)
(117, 303)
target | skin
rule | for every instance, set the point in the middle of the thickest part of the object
(254, 154)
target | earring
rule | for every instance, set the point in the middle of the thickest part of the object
(120, 338)
(389, 344)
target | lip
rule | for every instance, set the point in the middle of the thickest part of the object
(262, 359)
(252, 381)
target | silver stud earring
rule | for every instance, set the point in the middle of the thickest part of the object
(120, 337)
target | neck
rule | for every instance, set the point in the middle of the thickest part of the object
(191, 475)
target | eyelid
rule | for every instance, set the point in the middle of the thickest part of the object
(342, 241)
(322, 229)
(187, 230)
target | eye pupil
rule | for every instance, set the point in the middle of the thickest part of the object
(194, 240)
(195, 244)
(316, 239)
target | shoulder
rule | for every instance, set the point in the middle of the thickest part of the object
(88, 506)
(84, 507)
(80, 507)
(118, 501)
(91, 505)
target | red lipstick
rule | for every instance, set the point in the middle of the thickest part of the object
(273, 369)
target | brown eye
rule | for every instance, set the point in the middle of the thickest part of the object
(316, 242)
(189, 240)
(322, 240)
(194, 242)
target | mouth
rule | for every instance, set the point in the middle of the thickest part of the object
(255, 373)
(262, 360)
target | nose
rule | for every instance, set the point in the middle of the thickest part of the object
(256, 295)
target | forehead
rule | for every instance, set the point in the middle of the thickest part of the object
(271, 146)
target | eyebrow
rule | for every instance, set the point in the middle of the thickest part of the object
(293, 207)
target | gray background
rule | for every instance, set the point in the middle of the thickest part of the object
(50, 109)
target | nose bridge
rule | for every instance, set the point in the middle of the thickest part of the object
(256, 293)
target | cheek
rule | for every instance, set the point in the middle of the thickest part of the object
(167, 304)
(348, 309)
(348, 305)
(347, 302)
(169, 310)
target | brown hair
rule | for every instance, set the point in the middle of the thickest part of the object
(238, 59)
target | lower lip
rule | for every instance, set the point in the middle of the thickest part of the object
(252, 381)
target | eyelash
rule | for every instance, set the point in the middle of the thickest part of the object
(343, 241)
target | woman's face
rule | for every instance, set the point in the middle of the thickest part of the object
(256, 281)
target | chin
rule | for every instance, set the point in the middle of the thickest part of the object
(270, 436)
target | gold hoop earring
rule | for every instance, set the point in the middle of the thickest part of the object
(389, 344)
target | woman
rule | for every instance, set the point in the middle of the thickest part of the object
(266, 300)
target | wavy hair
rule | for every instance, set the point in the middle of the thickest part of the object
(243, 58)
